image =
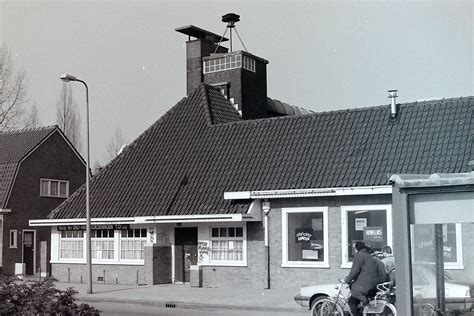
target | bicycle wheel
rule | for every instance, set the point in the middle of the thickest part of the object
(428, 310)
(381, 308)
(327, 307)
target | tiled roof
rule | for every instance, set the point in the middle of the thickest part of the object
(13, 147)
(185, 162)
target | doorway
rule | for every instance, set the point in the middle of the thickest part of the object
(185, 252)
(29, 251)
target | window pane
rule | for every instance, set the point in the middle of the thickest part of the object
(143, 232)
(369, 226)
(44, 187)
(231, 232)
(215, 232)
(63, 189)
(54, 188)
(305, 236)
(223, 232)
(239, 232)
(423, 245)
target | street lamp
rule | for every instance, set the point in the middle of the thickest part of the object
(67, 78)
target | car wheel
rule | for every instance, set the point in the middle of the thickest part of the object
(316, 300)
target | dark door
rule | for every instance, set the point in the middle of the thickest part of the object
(28, 252)
(185, 252)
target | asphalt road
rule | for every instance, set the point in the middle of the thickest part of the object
(109, 309)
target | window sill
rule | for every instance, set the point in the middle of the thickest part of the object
(224, 264)
(125, 263)
(304, 265)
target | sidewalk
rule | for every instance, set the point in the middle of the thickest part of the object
(185, 296)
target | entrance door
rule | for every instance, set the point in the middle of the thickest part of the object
(29, 251)
(185, 252)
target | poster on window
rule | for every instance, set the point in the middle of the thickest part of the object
(360, 224)
(317, 223)
(303, 235)
(424, 243)
(309, 254)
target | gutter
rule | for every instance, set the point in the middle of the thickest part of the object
(146, 220)
(294, 193)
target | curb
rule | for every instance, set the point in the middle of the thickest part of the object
(189, 305)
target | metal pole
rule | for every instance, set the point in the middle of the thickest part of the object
(88, 213)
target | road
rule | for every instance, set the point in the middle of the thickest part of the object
(110, 309)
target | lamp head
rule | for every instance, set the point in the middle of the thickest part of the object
(67, 78)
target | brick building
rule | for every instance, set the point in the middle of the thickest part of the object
(39, 169)
(232, 188)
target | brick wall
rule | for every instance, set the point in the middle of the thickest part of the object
(254, 275)
(113, 274)
(54, 159)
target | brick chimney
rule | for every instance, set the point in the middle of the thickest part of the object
(241, 76)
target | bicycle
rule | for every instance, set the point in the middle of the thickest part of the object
(331, 305)
(380, 304)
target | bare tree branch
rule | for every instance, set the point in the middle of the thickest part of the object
(116, 144)
(13, 92)
(67, 116)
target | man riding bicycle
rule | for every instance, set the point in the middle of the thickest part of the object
(364, 275)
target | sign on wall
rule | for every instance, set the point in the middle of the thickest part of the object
(94, 227)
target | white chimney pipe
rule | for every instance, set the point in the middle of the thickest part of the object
(393, 105)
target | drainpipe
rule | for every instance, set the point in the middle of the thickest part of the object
(266, 211)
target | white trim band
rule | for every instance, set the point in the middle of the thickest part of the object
(5, 210)
(144, 220)
(278, 194)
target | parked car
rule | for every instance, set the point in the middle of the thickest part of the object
(458, 296)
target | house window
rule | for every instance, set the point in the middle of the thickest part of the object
(369, 223)
(305, 237)
(13, 238)
(423, 244)
(54, 188)
(227, 244)
(132, 244)
(102, 244)
(71, 244)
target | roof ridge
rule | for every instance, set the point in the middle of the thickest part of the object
(29, 129)
(348, 110)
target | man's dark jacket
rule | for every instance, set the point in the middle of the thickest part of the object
(363, 273)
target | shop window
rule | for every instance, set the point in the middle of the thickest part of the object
(132, 244)
(423, 245)
(102, 244)
(227, 244)
(305, 237)
(369, 223)
(71, 244)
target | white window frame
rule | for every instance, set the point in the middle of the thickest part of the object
(459, 264)
(60, 239)
(14, 240)
(141, 239)
(374, 207)
(242, 262)
(48, 194)
(284, 222)
(106, 239)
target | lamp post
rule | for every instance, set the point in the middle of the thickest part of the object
(67, 78)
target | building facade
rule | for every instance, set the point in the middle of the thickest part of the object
(224, 191)
(39, 169)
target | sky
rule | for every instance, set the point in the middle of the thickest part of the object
(322, 55)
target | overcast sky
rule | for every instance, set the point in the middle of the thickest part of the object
(322, 55)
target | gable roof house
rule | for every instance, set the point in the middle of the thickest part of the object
(224, 190)
(39, 168)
